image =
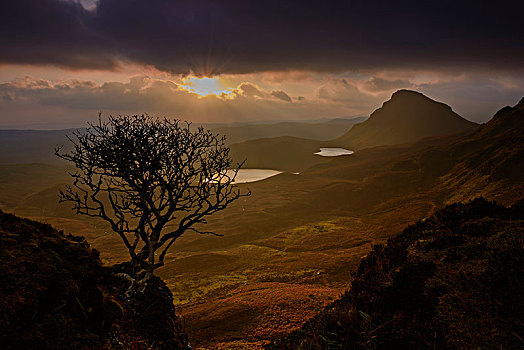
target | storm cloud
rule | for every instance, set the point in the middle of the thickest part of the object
(212, 37)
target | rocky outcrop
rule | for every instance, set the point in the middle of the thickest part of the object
(55, 294)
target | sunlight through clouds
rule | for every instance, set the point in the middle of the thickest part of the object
(207, 86)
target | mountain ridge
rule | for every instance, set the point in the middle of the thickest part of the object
(397, 122)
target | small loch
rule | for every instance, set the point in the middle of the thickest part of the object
(334, 152)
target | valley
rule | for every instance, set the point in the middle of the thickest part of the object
(290, 248)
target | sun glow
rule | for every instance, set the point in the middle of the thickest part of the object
(206, 86)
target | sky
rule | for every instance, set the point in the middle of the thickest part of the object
(64, 61)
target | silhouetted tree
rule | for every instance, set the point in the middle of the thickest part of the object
(151, 180)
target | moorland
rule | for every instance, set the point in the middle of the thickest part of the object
(289, 249)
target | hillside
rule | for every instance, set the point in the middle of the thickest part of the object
(408, 116)
(326, 217)
(453, 280)
(283, 153)
(488, 162)
(55, 294)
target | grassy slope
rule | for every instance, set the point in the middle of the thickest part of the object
(284, 153)
(450, 281)
(48, 281)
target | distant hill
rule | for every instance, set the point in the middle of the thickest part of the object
(55, 294)
(325, 130)
(31, 146)
(451, 281)
(37, 146)
(408, 116)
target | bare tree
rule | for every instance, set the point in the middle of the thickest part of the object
(151, 180)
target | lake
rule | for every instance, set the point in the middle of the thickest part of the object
(252, 175)
(334, 152)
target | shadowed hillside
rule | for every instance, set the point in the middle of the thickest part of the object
(453, 280)
(408, 116)
(488, 161)
(55, 294)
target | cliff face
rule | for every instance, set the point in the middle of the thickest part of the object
(453, 280)
(55, 294)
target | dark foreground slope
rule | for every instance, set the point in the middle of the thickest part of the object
(54, 294)
(453, 280)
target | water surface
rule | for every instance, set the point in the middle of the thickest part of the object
(252, 175)
(334, 152)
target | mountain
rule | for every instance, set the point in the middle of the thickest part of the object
(55, 294)
(310, 230)
(450, 281)
(488, 161)
(408, 116)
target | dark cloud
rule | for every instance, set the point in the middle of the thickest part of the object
(238, 36)
(281, 95)
(377, 84)
(249, 89)
(343, 91)
(53, 32)
(476, 98)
